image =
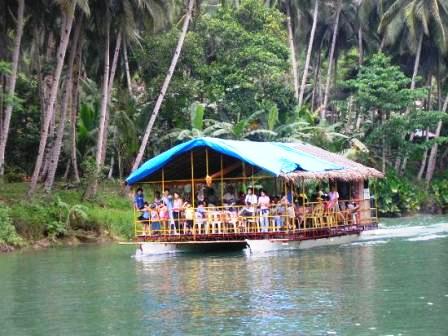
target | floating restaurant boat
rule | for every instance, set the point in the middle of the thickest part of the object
(213, 178)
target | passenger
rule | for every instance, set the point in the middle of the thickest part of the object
(241, 198)
(164, 217)
(211, 197)
(145, 216)
(248, 210)
(353, 208)
(317, 195)
(157, 198)
(250, 198)
(155, 219)
(281, 214)
(264, 203)
(200, 195)
(139, 200)
(334, 198)
(229, 196)
(248, 214)
(168, 200)
(189, 217)
(177, 209)
(290, 216)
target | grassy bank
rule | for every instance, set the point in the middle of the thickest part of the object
(62, 217)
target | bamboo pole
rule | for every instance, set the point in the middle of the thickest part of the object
(222, 182)
(192, 178)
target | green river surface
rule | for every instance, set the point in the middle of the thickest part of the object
(394, 281)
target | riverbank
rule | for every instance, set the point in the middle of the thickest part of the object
(62, 217)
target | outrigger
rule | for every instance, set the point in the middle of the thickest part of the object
(214, 176)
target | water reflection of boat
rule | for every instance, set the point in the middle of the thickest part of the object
(258, 195)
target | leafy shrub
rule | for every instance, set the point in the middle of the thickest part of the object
(439, 191)
(8, 234)
(397, 195)
(14, 175)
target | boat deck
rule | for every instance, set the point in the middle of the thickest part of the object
(296, 235)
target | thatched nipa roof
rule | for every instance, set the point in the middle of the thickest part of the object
(353, 171)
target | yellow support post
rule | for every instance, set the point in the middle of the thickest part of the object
(206, 161)
(222, 181)
(192, 178)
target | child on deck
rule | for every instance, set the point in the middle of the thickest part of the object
(155, 219)
(145, 216)
(189, 217)
(164, 217)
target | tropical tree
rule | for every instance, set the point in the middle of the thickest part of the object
(165, 85)
(68, 13)
(308, 53)
(4, 124)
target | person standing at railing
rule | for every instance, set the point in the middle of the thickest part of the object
(145, 216)
(189, 217)
(250, 197)
(155, 219)
(139, 199)
(334, 198)
(177, 209)
(157, 198)
(164, 217)
(264, 203)
(168, 200)
(279, 214)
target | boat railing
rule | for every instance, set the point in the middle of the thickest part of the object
(238, 219)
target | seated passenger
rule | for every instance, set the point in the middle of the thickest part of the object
(353, 208)
(248, 210)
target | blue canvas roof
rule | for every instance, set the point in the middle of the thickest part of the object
(273, 157)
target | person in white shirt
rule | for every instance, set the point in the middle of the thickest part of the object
(264, 203)
(250, 198)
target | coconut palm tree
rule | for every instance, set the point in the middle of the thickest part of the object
(308, 53)
(120, 19)
(4, 124)
(413, 21)
(67, 14)
(338, 10)
(165, 85)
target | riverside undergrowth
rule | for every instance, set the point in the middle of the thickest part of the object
(63, 216)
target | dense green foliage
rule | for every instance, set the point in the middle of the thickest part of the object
(8, 234)
(234, 79)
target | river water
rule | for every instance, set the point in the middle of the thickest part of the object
(394, 281)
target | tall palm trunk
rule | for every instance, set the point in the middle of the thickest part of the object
(330, 60)
(63, 43)
(74, 110)
(428, 108)
(292, 52)
(433, 154)
(92, 188)
(308, 53)
(159, 101)
(425, 156)
(56, 150)
(413, 81)
(113, 70)
(417, 61)
(11, 84)
(126, 67)
(360, 47)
